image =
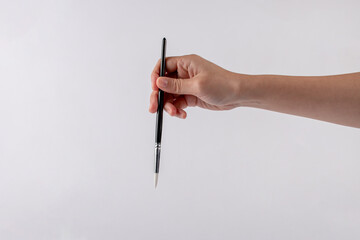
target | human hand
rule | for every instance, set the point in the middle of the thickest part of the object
(193, 81)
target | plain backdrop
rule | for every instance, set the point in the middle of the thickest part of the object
(77, 140)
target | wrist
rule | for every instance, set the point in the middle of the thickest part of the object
(248, 90)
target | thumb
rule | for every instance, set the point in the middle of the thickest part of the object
(176, 85)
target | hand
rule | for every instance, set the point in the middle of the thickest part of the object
(193, 81)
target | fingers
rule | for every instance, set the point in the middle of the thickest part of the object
(180, 103)
(153, 101)
(169, 107)
(173, 111)
(177, 85)
(181, 114)
(154, 75)
(175, 106)
(171, 66)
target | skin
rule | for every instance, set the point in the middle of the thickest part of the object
(193, 81)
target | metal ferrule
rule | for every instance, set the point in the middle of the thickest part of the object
(157, 157)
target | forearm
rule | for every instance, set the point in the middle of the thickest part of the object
(333, 99)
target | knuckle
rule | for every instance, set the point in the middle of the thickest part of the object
(177, 85)
(195, 56)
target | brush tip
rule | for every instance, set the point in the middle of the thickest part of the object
(156, 177)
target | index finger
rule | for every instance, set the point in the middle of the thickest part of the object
(171, 64)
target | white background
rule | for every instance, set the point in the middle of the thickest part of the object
(76, 137)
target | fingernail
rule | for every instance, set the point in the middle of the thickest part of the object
(163, 82)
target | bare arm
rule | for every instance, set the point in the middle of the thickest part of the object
(333, 99)
(194, 81)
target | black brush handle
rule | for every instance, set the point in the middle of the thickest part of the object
(159, 115)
